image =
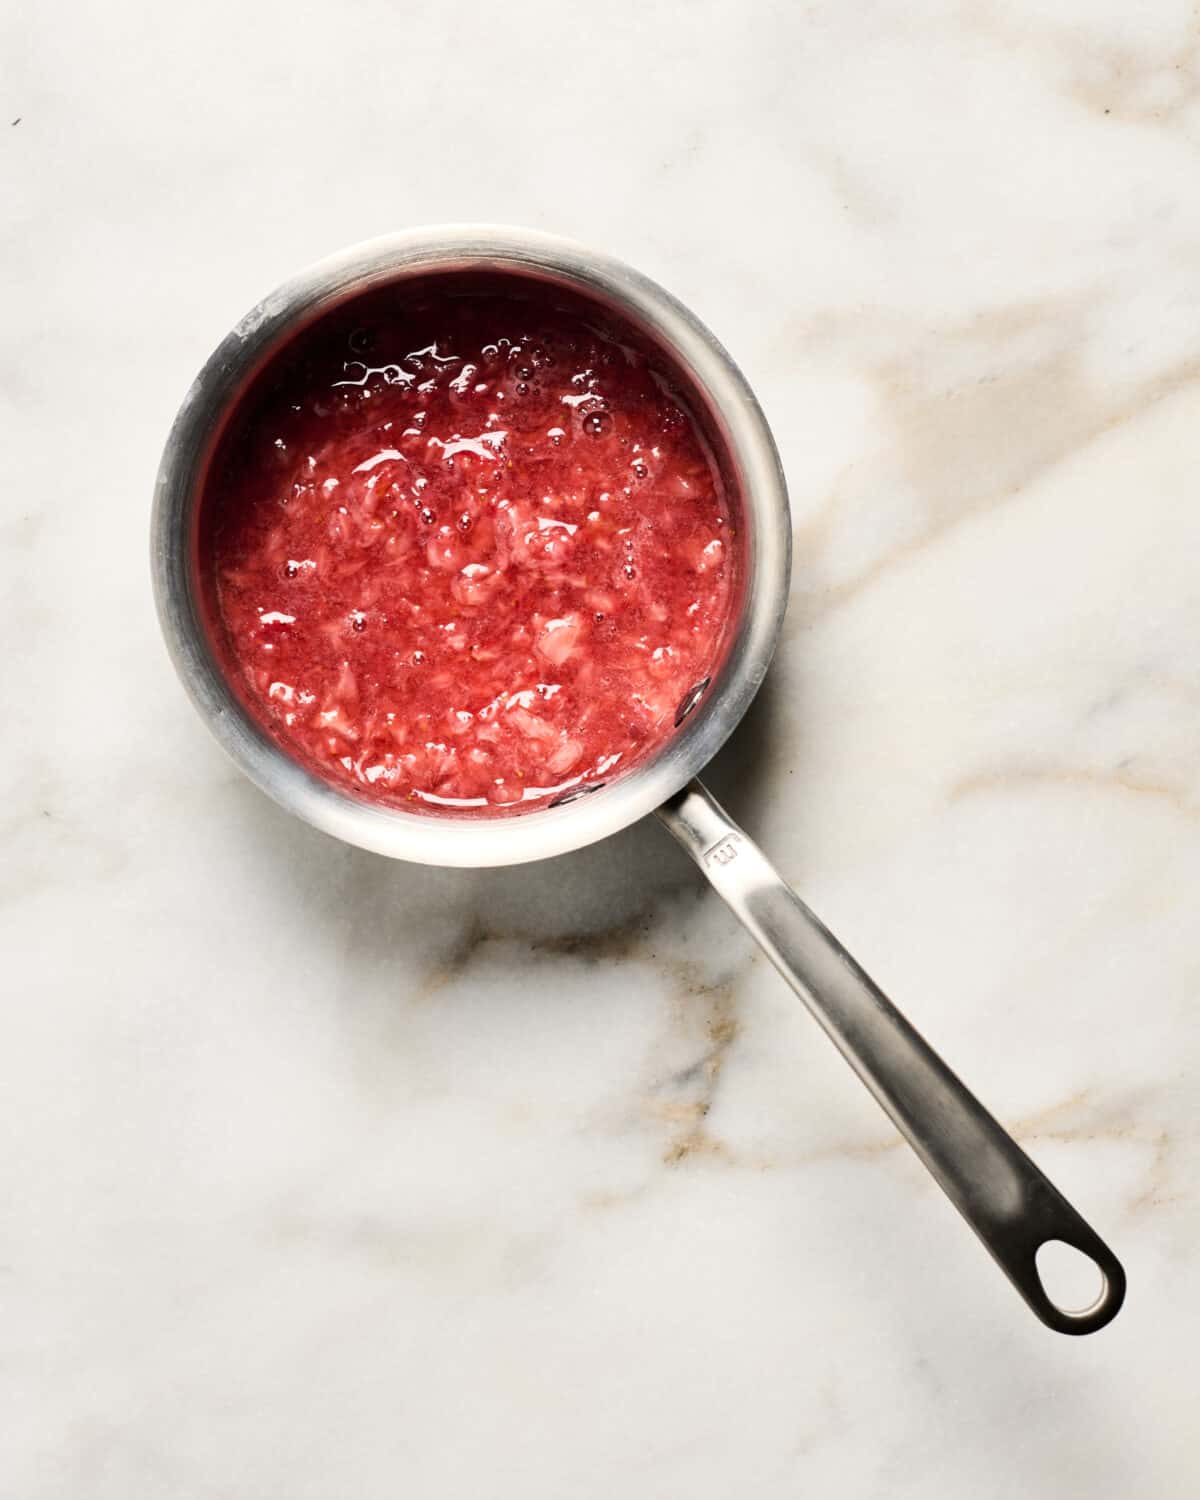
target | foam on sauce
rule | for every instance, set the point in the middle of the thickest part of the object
(469, 552)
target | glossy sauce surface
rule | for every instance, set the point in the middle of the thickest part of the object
(469, 552)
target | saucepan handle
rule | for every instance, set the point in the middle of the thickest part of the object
(1008, 1202)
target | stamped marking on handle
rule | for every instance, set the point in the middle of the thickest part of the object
(723, 853)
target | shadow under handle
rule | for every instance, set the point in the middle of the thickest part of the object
(1008, 1202)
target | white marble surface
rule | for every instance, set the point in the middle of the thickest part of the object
(328, 1177)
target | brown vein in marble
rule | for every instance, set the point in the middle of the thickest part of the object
(1059, 1122)
(1115, 75)
(1120, 90)
(1053, 1123)
(680, 1101)
(1130, 88)
(1018, 424)
(684, 1101)
(1116, 779)
(617, 941)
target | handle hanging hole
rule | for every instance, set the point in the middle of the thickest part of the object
(1071, 1279)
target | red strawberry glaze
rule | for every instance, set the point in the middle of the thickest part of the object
(468, 551)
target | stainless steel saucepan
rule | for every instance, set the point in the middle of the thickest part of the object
(1008, 1202)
